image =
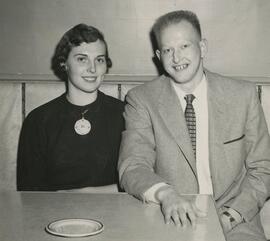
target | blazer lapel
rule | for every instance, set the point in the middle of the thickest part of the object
(172, 114)
(217, 127)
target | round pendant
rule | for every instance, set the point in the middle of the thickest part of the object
(82, 126)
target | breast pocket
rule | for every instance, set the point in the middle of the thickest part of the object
(234, 140)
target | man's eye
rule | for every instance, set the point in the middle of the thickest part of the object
(166, 51)
(184, 46)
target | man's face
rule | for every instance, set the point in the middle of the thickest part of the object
(181, 51)
(86, 66)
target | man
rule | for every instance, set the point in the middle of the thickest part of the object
(192, 131)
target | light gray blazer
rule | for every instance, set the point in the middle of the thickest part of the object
(156, 146)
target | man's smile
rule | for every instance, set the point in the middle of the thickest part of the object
(180, 67)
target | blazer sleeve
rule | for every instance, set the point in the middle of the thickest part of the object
(255, 187)
(137, 152)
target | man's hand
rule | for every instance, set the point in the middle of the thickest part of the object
(177, 208)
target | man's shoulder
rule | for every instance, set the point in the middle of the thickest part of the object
(150, 88)
(231, 90)
(229, 83)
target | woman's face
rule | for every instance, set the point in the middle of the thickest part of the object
(86, 66)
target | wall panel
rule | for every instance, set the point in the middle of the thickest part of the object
(238, 32)
(266, 103)
(40, 93)
(10, 124)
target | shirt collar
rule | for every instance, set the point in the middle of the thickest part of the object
(199, 91)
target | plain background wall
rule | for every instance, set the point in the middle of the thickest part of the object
(238, 32)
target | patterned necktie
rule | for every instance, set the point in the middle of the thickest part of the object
(191, 121)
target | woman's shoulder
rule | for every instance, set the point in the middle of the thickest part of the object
(47, 109)
(112, 102)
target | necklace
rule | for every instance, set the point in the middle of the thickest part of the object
(82, 126)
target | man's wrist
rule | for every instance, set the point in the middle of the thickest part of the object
(162, 192)
(149, 195)
(233, 216)
(236, 215)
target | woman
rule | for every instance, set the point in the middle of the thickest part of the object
(72, 142)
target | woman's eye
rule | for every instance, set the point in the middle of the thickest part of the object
(101, 60)
(82, 59)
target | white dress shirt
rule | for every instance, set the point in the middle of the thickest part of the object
(200, 105)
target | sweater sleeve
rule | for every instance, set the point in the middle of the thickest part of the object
(31, 158)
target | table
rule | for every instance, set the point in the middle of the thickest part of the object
(24, 216)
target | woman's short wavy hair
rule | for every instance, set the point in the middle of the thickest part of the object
(80, 33)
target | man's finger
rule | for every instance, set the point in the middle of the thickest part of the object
(167, 215)
(192, 217)
(183, 217)
(175, 218)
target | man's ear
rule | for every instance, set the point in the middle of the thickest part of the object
(204, 47)
(158, 54)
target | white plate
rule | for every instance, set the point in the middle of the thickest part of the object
(75, 227)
